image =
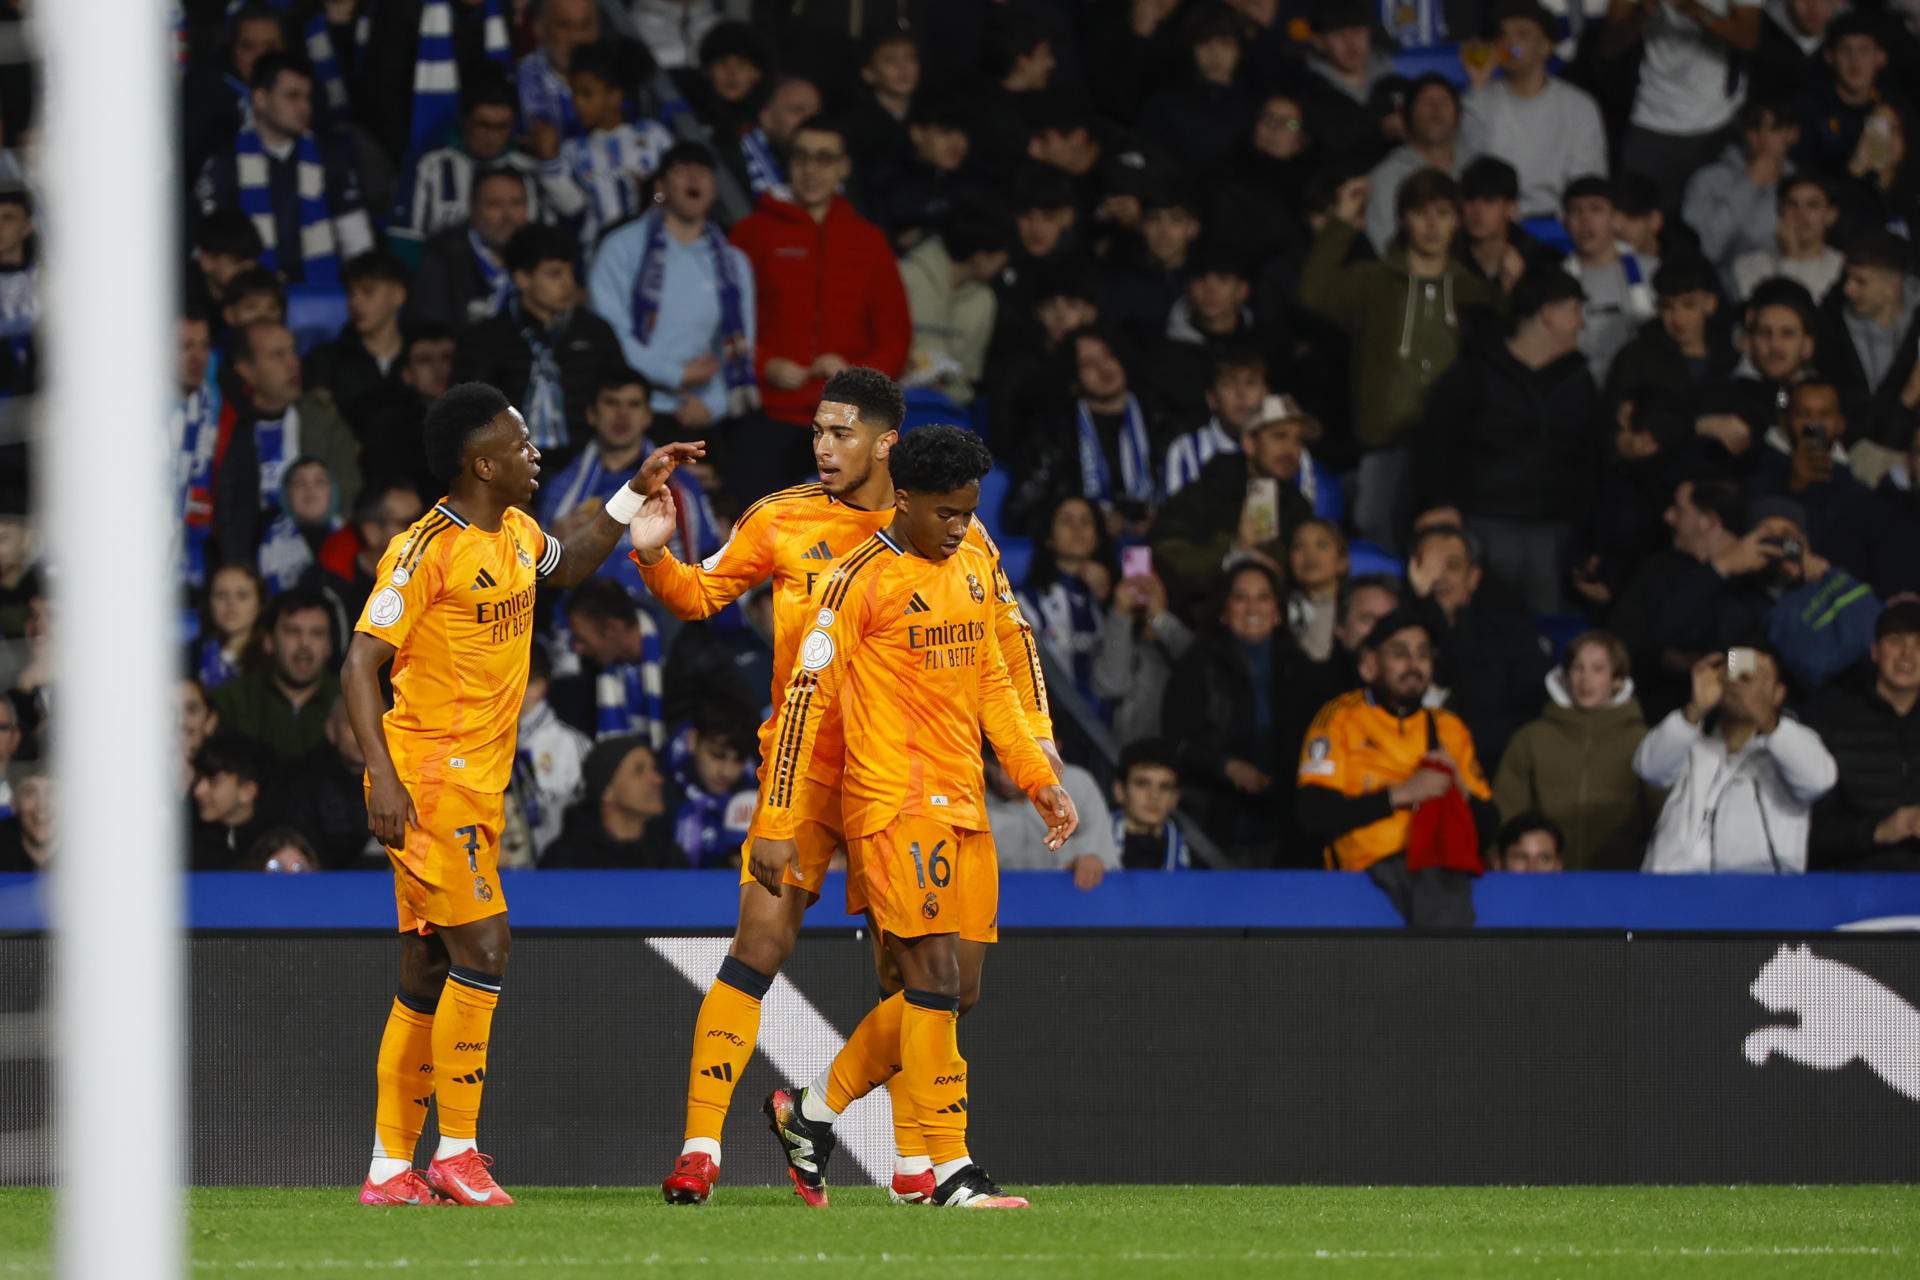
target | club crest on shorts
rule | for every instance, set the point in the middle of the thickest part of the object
(931, 907)
(482, 891)
(978, 592)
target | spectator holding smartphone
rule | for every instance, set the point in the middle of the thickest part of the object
(1741, 789)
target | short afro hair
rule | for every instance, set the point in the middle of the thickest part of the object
(939, 459)
(455, 418)
(873, 395)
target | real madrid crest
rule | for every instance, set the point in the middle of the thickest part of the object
(979, 592)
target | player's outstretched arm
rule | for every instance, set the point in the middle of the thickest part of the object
(589, 550)
(390, 809)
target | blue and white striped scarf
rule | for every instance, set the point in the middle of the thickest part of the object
(326, 62)
(318, 250)
(278, 440)
(626, 696)
(545, 94)
(1414, 24)
(494, 272)
(765, 173)
(1136, 466)
(211, 665)
(1175, 858)
(736, 353)
(544, 406)
(586, 477)
(436, 69)
(608, 166)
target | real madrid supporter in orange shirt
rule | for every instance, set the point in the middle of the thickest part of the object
(1360, 764)
(794, 537)
(452, 610)
(901, 644)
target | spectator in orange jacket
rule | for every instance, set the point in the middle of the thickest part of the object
(829, 296)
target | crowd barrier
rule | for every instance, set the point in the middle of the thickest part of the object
(1294, 1038)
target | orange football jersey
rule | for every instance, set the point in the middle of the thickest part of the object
(796, 536)
(904, 648)
(1356, 746)
(456, 603)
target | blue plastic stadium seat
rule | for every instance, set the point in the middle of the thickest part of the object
(1439, 59)
(926, 406)
(315, 313)
(1365, 558)
(993, 495)
(1016, 557)
(1548, 231)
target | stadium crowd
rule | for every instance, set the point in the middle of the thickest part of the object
(1440, 401)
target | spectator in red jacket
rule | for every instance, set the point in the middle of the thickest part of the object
(828, 293)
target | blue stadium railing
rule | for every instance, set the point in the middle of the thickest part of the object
(701, 901)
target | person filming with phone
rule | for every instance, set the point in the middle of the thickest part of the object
(1742, 777)
(1808, 463)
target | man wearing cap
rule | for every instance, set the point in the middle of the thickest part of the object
(1871, 820)
(1547, 129)
(681, 299)
(1373, 756)
(1349, 94)
(1871, 327)
(1508, 439)
(1243, 504)
(1740, 789)
(1430, 122)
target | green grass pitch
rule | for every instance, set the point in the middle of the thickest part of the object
(1345, 1232)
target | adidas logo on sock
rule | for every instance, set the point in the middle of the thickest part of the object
(818, 551)
(477, 1076)
(957, 1109)
(719, 1071)
(917, 605)
(482, 581)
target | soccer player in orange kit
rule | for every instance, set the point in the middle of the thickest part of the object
(900, 646)
(795, 536)
(452, 609)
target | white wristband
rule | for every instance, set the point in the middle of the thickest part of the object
(625, 504)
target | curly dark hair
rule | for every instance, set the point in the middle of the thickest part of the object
(455, 418)
(939, 459)
(874, 396)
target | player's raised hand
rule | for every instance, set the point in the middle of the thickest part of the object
(390, 811)
(1056, 807)
(653, 473)
(653, 528)
(769, 861)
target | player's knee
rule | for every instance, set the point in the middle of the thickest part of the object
(761, 951)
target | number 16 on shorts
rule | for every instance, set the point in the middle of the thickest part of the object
(933, 867)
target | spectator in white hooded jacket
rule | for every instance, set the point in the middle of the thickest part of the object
(1741, 793)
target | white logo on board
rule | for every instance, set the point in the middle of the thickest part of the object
(1844, 1014)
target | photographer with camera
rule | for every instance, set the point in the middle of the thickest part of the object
(1807, 462)
(1822, 617)
(1741, 777)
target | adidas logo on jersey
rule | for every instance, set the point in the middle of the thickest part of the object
(482, 581)
(818, 551)
(917, 605)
